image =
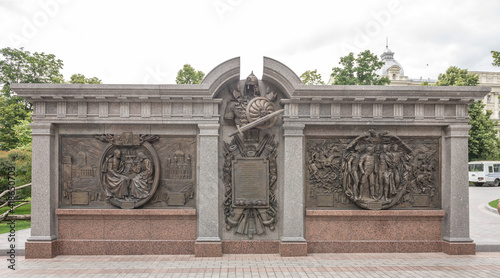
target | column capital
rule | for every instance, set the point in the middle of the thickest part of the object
(294, 126)
(46, 129)
(457, 131)
(209, 129)
(293, 129)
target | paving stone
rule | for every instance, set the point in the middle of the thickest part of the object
(485, 264)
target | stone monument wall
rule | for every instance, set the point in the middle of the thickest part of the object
(248, 166)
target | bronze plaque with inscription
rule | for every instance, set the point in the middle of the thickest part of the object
(79, 198)
(251, 182)
(325, 200)
(421, 200)
(176, 199)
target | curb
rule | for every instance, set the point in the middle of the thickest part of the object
(487, 247)
(489, 208)
(19, 252)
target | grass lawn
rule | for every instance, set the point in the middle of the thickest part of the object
(20, 224)
(493, 203)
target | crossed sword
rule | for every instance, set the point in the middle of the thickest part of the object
(255, 123)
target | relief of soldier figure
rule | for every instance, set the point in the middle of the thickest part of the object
(376, 169)
(251, 110)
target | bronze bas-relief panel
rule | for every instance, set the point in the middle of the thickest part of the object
(373, 171)
(121, 173)
(249, 174)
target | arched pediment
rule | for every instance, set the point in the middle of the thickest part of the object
(281, 76)
(223, 74)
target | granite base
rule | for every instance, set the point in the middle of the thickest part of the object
(41, 249)
(293, 249)
(365, 231)
(126, 232)
(380, 246)
(459, 248)
(250, 246)
(208, 249)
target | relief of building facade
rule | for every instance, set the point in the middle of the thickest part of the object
(128, 171)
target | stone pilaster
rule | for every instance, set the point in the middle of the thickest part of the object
(44, 191)
(455, 192)
(208, 243)
(293, 242)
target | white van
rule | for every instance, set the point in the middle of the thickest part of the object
(484, 172)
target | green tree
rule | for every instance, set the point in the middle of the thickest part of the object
(311, 78)
(21, 66)
(483, 141)
(13, 110)
(23, 133)
(79, 78)
(188, 75)
(496, 58)
(21, 160)
(359, 71)
(455, 76)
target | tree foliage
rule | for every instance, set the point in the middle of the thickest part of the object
(188, 75)
(22, 132)
(21, 160)
(79, 78)
(311, 77)
(483, 141)
(455, 76)
(21, 66)
(13, 110)
(359, 71)
(496, 58)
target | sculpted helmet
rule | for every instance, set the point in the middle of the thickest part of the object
(252, 85)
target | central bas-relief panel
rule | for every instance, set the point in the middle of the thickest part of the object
(249, 171)
(250, 175)
(375, 170)
(127, 171)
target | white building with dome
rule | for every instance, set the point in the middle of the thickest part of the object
(395, 72)
(392, 68)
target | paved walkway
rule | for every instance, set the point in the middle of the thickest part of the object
(21, 237)
(314, 265)
(484, 223)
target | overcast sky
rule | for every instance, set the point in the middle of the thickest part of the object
(149, 41)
